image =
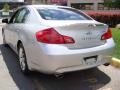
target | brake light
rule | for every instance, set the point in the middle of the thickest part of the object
(51, 36)
(107, 35)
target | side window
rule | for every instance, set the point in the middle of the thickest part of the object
(21, 17)
(14, 16)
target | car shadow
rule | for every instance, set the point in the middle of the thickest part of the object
(11, 60)
(91, 79)
(82, 80)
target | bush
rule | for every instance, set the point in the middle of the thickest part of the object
(109, 17)
(6, 7)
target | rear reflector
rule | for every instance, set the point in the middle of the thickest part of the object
(107, 35)
(51, 36)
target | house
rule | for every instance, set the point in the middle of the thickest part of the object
(86, 4)
(79, 4)
(36, 1)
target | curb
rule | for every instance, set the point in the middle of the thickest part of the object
(115, 62)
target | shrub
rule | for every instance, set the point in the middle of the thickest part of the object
(111, 18)
(6, 7)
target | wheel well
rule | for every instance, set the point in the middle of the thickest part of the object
(18, 43)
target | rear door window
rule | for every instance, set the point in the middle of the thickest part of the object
(21, 17)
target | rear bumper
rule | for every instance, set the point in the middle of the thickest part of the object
(58, 59)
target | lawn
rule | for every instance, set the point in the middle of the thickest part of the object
(116, 37)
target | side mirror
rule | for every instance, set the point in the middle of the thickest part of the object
(5, 20)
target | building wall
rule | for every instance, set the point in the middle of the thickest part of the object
(59, 2)
(10, 0)
(36, 1)
(79, 4)
(28, 1)
(94, 3)
(85, 1)
(39, 1)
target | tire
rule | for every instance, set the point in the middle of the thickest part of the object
(4, 41)
(22, 59)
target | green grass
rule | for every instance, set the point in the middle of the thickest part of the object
(116, 37)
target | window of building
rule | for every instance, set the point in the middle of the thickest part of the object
(101, 6)
(83, 6)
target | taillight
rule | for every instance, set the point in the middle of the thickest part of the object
(51, 36)
(107, 35)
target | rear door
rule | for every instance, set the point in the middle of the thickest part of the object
(16, 25)
(19, 24)
(9, 29)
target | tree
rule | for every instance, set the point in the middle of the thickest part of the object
(117, 4)
(6, 7)
(112, 3)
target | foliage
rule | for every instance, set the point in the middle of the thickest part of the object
(112, 3)
(108, 3)
(116, 37)
(6, 7)
(117, 4)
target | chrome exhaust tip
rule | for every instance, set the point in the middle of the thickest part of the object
(106, 64)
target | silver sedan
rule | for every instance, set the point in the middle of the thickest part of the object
(57, 39)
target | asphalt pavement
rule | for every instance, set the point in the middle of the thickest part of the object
(11, 78)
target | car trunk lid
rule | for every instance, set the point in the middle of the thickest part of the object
(86, 34)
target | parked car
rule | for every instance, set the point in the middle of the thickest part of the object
(57, 39)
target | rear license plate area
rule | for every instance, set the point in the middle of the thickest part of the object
(90, 60)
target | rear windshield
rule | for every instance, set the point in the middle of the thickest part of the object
(62, 14)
